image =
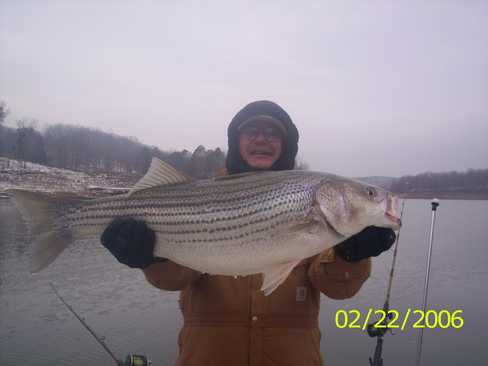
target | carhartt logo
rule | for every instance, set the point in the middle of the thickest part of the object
(301, 293)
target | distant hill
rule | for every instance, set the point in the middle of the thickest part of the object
(471, 184)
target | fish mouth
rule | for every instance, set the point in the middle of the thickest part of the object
(391, 212)
(393, 218)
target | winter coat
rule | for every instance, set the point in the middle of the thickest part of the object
(228, 321)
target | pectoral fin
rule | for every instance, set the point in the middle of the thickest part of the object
(276, 275)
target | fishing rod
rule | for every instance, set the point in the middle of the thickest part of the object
(434, 203)
(130, 360)
(372, 328)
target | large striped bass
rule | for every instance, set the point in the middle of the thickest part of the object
(242, 224)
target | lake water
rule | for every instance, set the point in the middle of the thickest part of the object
(117, 302)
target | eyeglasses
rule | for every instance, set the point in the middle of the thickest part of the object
(270, 134)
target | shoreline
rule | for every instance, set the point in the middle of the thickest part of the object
(473, 196)
(36, 177)
(15, 174)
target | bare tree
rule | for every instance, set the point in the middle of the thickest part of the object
(301, 165)
(3, 112)
(29, 143)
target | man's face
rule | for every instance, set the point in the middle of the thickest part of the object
(260, 144)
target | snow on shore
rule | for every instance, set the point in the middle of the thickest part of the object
(25, 175)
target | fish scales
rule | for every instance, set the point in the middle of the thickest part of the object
(206, 212)
(241, 224)
(165, 198)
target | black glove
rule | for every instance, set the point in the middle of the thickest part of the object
(130, 241)
(370, 242)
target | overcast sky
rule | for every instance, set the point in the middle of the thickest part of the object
(374, 87)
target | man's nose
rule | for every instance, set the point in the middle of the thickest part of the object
(260, 137)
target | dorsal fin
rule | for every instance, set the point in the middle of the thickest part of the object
(159, 173)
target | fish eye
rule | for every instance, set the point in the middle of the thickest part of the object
(371, 192)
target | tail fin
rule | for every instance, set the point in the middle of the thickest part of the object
(45, 216)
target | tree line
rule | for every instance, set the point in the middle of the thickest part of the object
(472, 180)
(94, 151)
(91, 150)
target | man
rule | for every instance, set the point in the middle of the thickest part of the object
(227, 320)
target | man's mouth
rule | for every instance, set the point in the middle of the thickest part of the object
(261, 152)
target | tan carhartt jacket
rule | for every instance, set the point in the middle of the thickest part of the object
(229, 322)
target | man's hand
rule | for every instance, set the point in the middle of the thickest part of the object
(370, 242)
(131, 242)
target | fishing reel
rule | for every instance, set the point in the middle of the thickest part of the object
(379, 328)
(136, 360)
(374, 331)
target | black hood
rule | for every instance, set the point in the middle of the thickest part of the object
(286, 161)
